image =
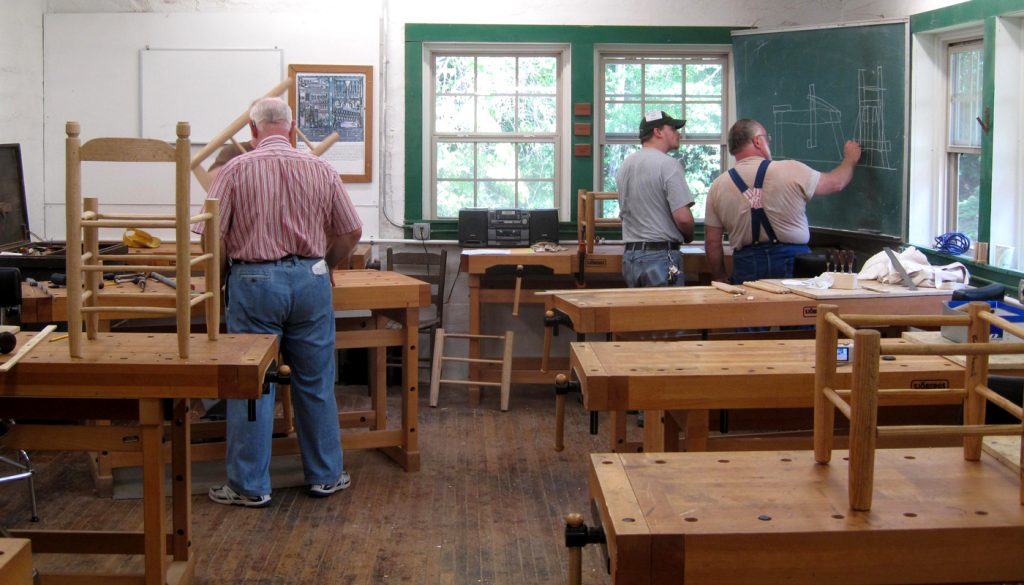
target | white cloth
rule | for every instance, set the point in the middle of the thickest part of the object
(880, 268)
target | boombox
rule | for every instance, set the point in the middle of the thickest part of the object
(507, 228)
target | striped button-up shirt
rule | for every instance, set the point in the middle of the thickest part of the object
(276, 201)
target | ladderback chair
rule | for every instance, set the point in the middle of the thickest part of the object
(430, 268)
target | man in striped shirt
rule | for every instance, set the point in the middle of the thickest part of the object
(286, 221)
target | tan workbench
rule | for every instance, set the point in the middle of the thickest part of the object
(777, 517)
(127, 376)
(697, 376)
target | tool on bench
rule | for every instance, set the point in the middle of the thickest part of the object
(899, 268)
(23, 351)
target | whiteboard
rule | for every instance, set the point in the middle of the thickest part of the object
(208, 88)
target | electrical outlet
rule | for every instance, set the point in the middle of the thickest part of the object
(421, 231)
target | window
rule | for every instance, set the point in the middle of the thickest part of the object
(963, 144)
(496, 127)
(685, 85)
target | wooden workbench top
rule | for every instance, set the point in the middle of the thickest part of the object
(142, 365)
(777, 517)
(669, 375)
(376, 289)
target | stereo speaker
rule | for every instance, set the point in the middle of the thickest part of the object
(472, 228)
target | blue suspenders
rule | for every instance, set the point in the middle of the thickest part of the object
(758, 217)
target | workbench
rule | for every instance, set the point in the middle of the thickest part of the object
(127, 376)
(379, 301)
(697, 376)
(491, 273)
(778, 517)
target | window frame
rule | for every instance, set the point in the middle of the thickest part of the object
(720, 54)
(951, 187)
(560, 138)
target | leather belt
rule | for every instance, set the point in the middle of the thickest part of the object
(642, 246)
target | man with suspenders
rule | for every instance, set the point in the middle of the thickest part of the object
(762, 205)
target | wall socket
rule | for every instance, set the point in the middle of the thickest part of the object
(421, 231)
(1020, 290)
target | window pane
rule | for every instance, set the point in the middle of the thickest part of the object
(537, 75)
(497, 194)
(454, 160)
(622, 119)
(453, 75)
(453, 196)
(497, 160)
(537, 114)
(622, 80)
(453, 114)
(703, 164)
(536, 160)
(968, 192)
(965, 74)
(703, 80)
(496, 114)
(495, 75)
(705, 119)
(611, 161)
(663, 80)
(537, 194)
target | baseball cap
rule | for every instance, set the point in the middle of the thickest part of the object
(656, 119)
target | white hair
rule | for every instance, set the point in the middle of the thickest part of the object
(270, 111)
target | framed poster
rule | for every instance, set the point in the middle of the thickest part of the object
(336, 98)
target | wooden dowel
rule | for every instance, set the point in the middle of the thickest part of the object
(200, 259)
(304, 139)
(86, 256)
(729, 288)
(124, 223)
(825, 343)
(859, 320)
(136, 258)
(168, 216)
(519, 285)
(835, 399)
(472, 336)
(1000, 401)
(949, 431)
(549, 331)
(559, 422)
(88, 215)
(908, 396)
(27, 347)
(326, 144)
(471, 383)
(127, 267)
(141, 310)
(863, 418)
(766, 286)
(952, 348)
(237, 124)
(199, 298)
(1002, 323)
(840, 324)
(471, 360)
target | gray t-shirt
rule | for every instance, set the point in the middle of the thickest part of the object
(651, 186)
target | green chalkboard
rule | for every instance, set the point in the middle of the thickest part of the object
(815, 89)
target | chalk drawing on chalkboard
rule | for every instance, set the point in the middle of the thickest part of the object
(870, 129)
(819, 117)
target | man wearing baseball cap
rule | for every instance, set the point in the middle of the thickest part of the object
(654, 204)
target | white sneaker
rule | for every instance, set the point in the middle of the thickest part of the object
(225, 495)
(322, 490)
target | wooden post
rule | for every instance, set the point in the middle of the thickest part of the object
(181, 480)
(826, 340)
(975, 373)
(506, 370)
(182, 238)
(561, 382)
(73, 210)
(575, 553)
(549, 331)
(519, 287)
(212, 271)
(91, 241)
(863, 417)
(151, 428)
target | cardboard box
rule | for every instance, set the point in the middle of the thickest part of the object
(959, 334)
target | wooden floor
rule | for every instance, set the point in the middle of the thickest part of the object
(486, 508)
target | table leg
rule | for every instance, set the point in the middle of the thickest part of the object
(697, 430)
(408, 453)
(654, 431)
(379, 379)
(617, 422)
(151, 422)
(181, 469)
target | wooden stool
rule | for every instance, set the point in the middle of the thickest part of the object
(439, 359)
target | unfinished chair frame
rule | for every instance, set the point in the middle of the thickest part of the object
(588, 221)
(85, 264)
(438, 363)
(862, 407)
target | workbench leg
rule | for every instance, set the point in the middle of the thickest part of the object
(672, 430)
(379, 379)
(617, 422)
(408, 453)
(697, 430)
(151, 429)
(654, 431)
(181, 484)
(474, 344)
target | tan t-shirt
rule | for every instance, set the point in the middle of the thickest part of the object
(788, 186)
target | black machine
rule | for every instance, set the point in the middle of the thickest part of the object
(36, 260)
(507, 228)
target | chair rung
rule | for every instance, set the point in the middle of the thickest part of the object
(471, 336)
(470, 383)
(949, 430)
(471, 360)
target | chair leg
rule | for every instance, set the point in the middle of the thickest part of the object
(435, 367)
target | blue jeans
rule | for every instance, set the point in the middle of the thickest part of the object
(287, 299)
(765, 261)
(644, 268)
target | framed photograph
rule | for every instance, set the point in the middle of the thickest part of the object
(336, 98)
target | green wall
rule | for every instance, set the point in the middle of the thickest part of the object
(581, 40)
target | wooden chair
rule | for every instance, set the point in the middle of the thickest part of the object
(85, 264)
(438, 364)
(432, 269)
(860, 402)
(588, 219)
